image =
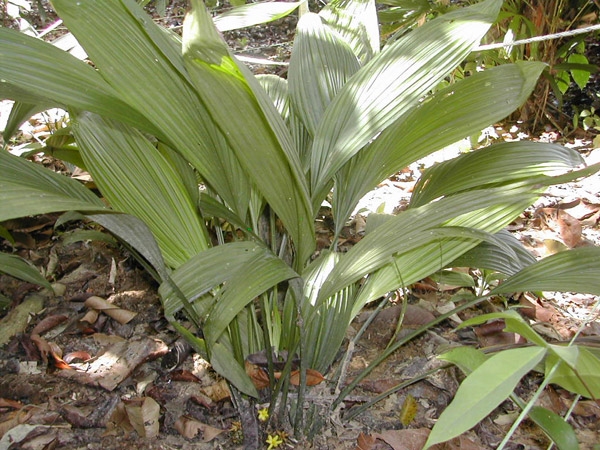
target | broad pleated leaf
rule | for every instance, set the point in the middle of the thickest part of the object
(356, 23)
(224, 363)
(484, 389)
(574, 270)
(205, 272)
(17, 267)
(391, 84)
(135, 234)
(260, 273)
(135, 178)
(323, 54)
(28, 189)
(253, 14)
(408, 267)
(417, 228)
(447, 116)
(498, 164)
(256, 132)
(492, 257)
(144, 65)
(35, 70)
(19, 113)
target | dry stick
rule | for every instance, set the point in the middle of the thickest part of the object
(546, 37)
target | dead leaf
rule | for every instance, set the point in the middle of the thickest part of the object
(189, 428)
(365, 441)
(408, 411)
(80, 355)
(143, 414)
(117, 362)
(492, 333)
(48, 323)
(218, 391)
(312, 377)
(404, 439)
(259, 377)
(567, 226)
(122, 316)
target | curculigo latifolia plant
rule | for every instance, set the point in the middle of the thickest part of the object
(214, 177)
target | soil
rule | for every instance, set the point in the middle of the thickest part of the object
(124, 379)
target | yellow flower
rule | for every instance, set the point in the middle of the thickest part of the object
(274, 441)
(263, 414)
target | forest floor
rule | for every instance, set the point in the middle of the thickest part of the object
(82, 374)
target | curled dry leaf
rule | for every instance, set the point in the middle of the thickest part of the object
(312, 377)
(217, 391)
(143, 414)
(365, 441)
(259, 377)
(48, 323)
(189, 428)
(122, 316)
(567, 226)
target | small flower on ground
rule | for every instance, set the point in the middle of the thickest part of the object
(274, 441)
(263, 414)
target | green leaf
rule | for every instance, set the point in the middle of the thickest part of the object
(253, 14)
(581, 77)
(497, 164)
(17, 267)
(19, 113)
(135, 178)
(446, 117)
(555, 427)
(28, 189)
(34, 71)
(489, 256)
(356, 22)
(484, 389)
(466, 358)
(260, 273)
(575, 270)
(143, 63)
(329, 61)
(419, 228)
(136, 234)
(265, 147)
(579, 370)
(514, 323)
(224, 363)
(392, 84)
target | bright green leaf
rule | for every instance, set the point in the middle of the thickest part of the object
(561, 433)
(17, 267)
(484, 389)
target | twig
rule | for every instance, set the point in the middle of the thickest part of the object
(546, 37)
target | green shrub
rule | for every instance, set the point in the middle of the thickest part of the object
(157, 117)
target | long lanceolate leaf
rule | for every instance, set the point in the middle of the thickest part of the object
(144, 65)
(391, 84)
(443, 119)
(320, 52)
(256, 131)
(137, 179)
(574, 270)
(34, 71)
(418, 228)
(30, 189)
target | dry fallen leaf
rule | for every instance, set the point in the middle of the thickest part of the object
(259, 377)
(365, 441)
(122, 316)
(217, 391)
(312, 377)
(189, 428)
(143, 414)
